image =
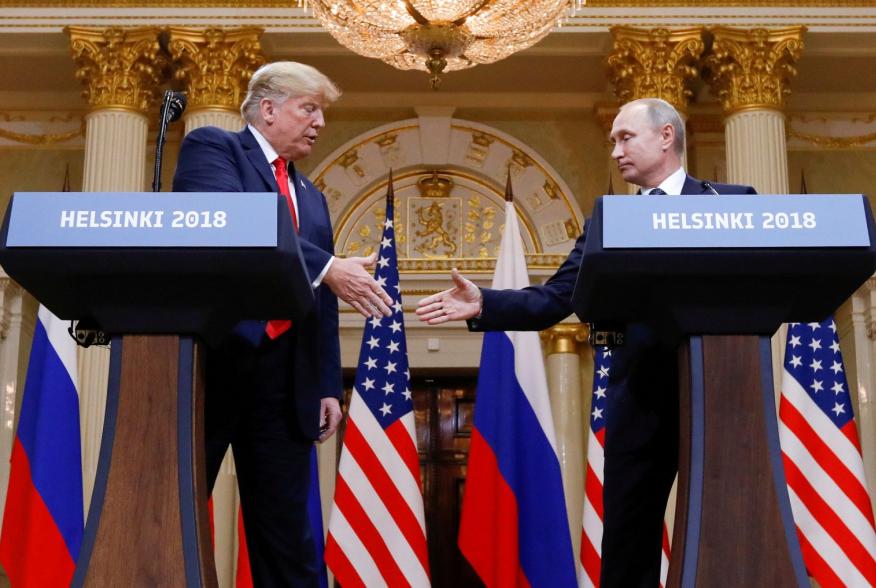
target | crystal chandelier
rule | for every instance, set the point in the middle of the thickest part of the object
(439, 35)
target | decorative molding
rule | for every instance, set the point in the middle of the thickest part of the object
(9, 291)
(565, 337)
(120, 68)
(215, 64)
(655, 63)
(43, 139)
(290, 3)
(832, 142)
(752, 69)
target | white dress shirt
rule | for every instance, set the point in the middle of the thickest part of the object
(673, 185)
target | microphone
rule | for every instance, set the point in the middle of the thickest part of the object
(171, 109)
(708, 186)
(175, 104)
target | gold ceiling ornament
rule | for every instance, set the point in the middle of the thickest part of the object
(435, 185)
(753, 68)
(655, 63)
(120, 68)
(439, 36)
(44, 139)
(215, 64)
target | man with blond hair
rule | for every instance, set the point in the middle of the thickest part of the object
(641, 418)
(275, 387)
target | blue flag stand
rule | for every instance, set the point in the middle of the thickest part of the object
(717, 277)
(163, 273)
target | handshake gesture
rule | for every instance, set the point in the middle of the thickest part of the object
(461, 302)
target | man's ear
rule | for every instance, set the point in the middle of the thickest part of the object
(267, 110)
(667, 137)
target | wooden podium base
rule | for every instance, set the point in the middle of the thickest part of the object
(148, 523)
(733, 522)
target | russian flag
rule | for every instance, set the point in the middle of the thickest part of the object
(43, 520)
(514, 528)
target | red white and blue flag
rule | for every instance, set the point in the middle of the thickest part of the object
(591, 540)
(377, 529)
(43, 520)
(822, 457)
(514, 528)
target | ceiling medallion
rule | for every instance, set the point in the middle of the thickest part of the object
(438, 36)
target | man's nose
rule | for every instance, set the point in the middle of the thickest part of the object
(318, 119)
(616, 151)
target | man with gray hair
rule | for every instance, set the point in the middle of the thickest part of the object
(641, 417)
(274, 387)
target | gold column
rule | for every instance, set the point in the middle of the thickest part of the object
(567, 349)
(122, 71)
(655, 63)
(863, 377)
(750, 71)
(216, 66)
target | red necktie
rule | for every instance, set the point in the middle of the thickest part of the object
(275, 328)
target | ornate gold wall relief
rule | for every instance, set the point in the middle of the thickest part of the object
(655, 63)
(120, 68)
(753, 68)
(448, 214)
(215, 64)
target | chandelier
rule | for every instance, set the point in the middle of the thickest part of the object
(439, 35)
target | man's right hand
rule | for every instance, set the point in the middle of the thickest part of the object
(459, 303)
(350, 281)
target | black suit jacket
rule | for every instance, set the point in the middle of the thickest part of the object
(215, 160)
(643, 371)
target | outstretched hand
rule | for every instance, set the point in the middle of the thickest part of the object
(350, 281)
(461, 302)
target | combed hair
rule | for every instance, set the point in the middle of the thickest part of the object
(282, 80)
(661, 113)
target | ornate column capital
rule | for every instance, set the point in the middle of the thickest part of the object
(750, 69)
(120, 68)
(655, 63)
(564, 337)
(215, 64)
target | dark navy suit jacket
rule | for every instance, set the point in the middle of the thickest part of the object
(215, 160)
(644, 366)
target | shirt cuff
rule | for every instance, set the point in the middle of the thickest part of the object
(322, 274)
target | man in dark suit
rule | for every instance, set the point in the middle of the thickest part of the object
(641, 444)
(274, 387)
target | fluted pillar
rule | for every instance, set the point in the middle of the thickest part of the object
(215, 66)
(863, 316)
(121, 71)
(15, 343)
(564, 345)
(655, 63)
(750, 71)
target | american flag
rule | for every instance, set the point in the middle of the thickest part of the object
(591, 540)
(591, 536)
(822, 457)
(377, 529)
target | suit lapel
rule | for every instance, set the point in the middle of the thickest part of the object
(305, 219)
(257, 159)
(693, 186)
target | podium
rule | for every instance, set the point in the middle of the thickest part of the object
(721, 289)
(161, 273)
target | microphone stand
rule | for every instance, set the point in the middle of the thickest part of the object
(172, 107)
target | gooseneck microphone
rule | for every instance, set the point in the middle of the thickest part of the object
(172, 107)
(708, 186)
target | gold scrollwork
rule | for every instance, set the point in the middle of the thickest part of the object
(565, 338)
(753, 68)
(655, 63)
(215, 64)
(120, 68)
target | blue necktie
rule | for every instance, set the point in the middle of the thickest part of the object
(657, 192)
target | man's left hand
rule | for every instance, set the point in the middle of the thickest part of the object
(329, 417)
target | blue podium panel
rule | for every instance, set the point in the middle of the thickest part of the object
(768, 260)
(184, 263)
